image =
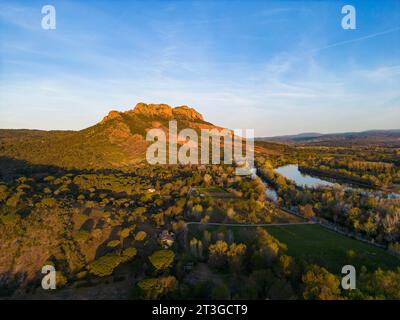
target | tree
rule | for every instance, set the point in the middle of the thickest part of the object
(61, 280)
(197, 209)
(207, 179)
(395, 248)
(162, 259)
(221, 254)
(154, 288)
(235, 256)
(124, 233)
(307, 211)
(280, 289)
(140, 236)
(268, 247)
(113, 243)
(128, 254)
(220, 292)
(320, 284)
(196, 248)
(218, 253)
(105, 265)
(369, 226)
(286, 264)
(3, 192)
(381, 284)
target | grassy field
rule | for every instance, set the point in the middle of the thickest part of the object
(316, 244)
(216, 192)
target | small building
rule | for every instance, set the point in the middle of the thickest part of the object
(193, 191)
(166, 239)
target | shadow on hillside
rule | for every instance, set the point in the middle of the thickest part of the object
(10, 282)
(103, 249)
(12, 168)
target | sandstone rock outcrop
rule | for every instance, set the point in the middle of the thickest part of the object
(167, 112)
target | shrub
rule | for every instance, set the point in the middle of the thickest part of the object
(48, 202)
(3, 192)
(154, 288)
(125, 233)
(81, 275)
(162, 259)
(221, 292)
(129, 254)
(113, 243)
(61, 280)
(394, 248)
(81, 235)
(140, 236)
(105, 265)
(320, 284)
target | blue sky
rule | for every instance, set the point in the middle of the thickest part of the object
(280, 67)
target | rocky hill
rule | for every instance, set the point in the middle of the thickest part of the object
(117, 141)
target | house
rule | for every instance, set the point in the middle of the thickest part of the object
(166, 239)
(193, 191)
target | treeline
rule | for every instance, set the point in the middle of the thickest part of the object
(377, 174)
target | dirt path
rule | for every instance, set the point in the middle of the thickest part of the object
(247, 224)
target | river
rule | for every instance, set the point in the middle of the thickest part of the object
(292, 172)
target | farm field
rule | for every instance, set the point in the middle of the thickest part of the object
(314, 244)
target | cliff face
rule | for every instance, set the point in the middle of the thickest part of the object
(188, 113)
(157, 111)
(161, 110)
(153, 110)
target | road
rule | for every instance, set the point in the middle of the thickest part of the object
(247, 224)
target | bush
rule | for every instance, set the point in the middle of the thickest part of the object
(113, 243)
(125, 233)
(81, 235)
(154, 288)
(61, 280)
(129, 254)
(162, 259)
(320, 284)
(220, 292)
(81, 275)
(394, 248)
(3, 192)
(105, 265)
(140, 236)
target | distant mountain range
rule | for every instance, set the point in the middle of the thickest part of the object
(370, 137)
